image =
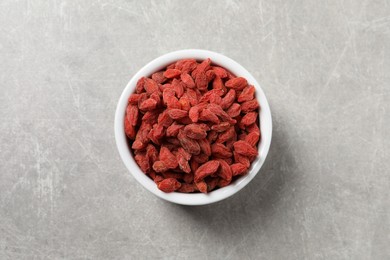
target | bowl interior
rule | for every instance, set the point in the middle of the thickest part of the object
(193, 198)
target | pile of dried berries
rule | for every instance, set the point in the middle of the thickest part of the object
(193, 126)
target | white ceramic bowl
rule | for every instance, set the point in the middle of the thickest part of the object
(193, 198)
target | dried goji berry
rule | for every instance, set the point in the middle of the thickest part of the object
(248, 119)
(172, 73)
(200, 158)
(244, 148)
(239, 158)
(187, 80)
(220, 72)
(151, 153)
(218, 83)
(253, 128)
(208, 94)
(164, 119)
(228, 99)
(252, 138)
(178, 87)
(168, 158)
(220, 151)
(201, 81)
(217, 110)
(221, 127)
(171, 140)
(129, 130)
(191, 93)
(238, 169)
(148, 104)
(190, 145)
(183, 163)
(140, 85)
(184, 121)
(238, 83)
(186, 188)
(202, 186)
(158, 77)
(227, 135)
(225, 172)
(210, 75)
(212, 136)
(142, 162)
(189, 66)
(202, 67)
(223, 183)
(194, 165)
(205, 146)
(195, 131)
(234, 110)
(150, 86)
(169, 185)
(177, 113)
(159, 166)
(133, 99)
(185, 102)
(173, 129)
(247, 94)
(207, 115)
(206, 169)
(249, 106)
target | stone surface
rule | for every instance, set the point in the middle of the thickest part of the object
(323, 192)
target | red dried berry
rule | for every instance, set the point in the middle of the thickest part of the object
(173, 130)
(238, 83)
(158, 77)
(195, 131)
(177, 113)
(238, 169)
(133, 99)
(221, 127)
(244, 148)
(249, 106)
(229, 99)
(248, 119)
(172, 73)
(247, 94)
(205, 146)
(252, 138)
(206, 170)
(140, 85)
(234, 110)
(207, 115)
(190, 145)
(168, 158)
(169, 185)
(218, 83)
(186, 188)
(220, 151)
(151, 86)
(129, 130)
(239, 158)
(202, 186)
(187, 80)
(225, 172)
(220, 72)
(201, 81)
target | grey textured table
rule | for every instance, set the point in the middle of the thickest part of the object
(323, 192)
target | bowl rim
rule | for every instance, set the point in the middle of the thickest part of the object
(193, 198)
